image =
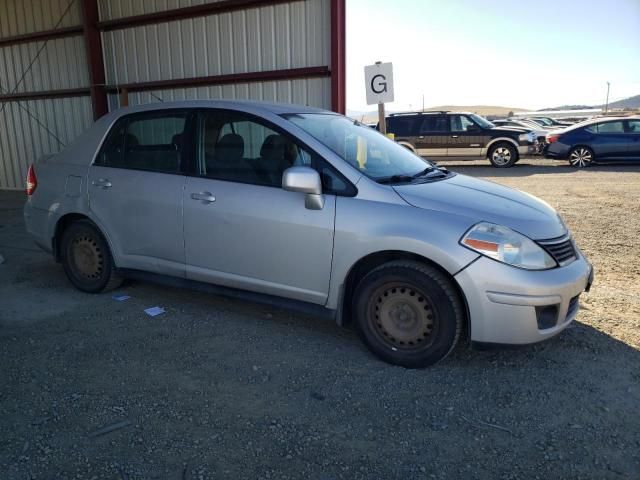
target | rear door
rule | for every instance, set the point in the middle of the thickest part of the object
(610, 140)
(135, 190)
(433, 135)
(466, 137)
(633, 133)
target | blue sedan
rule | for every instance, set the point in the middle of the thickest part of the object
(600, 140)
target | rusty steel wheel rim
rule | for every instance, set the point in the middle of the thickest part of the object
(87, 257)
(402, 317)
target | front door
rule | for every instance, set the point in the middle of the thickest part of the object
(135, 191)
(466, 137)
(633, 135)
(611, 141)
(241, 228)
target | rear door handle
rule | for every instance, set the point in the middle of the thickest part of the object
(204, 197)
(102, 183)
(454, 136)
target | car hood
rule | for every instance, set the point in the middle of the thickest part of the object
(509, 129)
(480, 200)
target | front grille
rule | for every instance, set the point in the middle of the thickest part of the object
(562, 250)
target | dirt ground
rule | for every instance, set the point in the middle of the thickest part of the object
(217, 388)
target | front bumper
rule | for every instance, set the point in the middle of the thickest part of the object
(528, 149)
(503, 301)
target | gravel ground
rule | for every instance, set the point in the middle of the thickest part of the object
(217, 388)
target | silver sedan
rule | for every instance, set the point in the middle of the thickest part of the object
(307, 209)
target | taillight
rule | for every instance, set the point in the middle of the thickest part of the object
(32, 181)
(552, 138)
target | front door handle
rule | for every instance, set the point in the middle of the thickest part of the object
(102, 183)
(454, 136)
(204, 197)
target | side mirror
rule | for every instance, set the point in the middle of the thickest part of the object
(304, 180)
(473, 128)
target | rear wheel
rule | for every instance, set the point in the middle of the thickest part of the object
(408, 313)
(503, 155)
(87, 260)
(581, 157)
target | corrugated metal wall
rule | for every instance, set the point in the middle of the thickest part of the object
(31, 128)
(271, 37)
(274, 37)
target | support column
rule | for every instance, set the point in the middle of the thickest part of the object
(95, 62)
(338, 56)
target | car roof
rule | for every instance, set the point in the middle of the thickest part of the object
(244, 105)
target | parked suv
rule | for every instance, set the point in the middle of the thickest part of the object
(460, 135)
(305, 208)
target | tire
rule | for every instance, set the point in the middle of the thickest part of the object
(87, 260)
(581, 157)
(408, 313)
(503, 155)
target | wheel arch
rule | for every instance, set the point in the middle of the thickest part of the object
(498, 140)
(407, 145)
(373, 260)
(63, 223)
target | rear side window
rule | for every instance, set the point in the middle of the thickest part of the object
(434, 124)
(403, 126)
(609, 127)
(150, 141)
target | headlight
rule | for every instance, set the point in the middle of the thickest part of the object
(506, 246)
(527, 137)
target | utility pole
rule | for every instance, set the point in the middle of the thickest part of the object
(606, 105)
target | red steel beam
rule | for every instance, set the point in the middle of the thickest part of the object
(40, 95)
(338, 56)
(95, 63)
(250, 77)
(42, 35)
(223, 6)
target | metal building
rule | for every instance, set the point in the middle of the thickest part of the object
(64, 63)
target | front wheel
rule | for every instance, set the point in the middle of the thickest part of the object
(503, 155)
(408, 313)
(87, 260)
(580, 157)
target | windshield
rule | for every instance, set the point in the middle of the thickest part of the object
(483, 122)
(543, 121)
(365, 149)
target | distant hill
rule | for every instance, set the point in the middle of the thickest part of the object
(631, 103)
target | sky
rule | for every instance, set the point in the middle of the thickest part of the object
(524, 54)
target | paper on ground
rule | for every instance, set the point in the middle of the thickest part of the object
(153, 311)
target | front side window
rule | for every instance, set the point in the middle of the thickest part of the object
(237, 148)
(633, 126)
(148, 141)
(460, 123)
(366, 150)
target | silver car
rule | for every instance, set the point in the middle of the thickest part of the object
(307, 209)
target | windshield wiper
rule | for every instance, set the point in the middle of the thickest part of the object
(423, 172)
(396, 179)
